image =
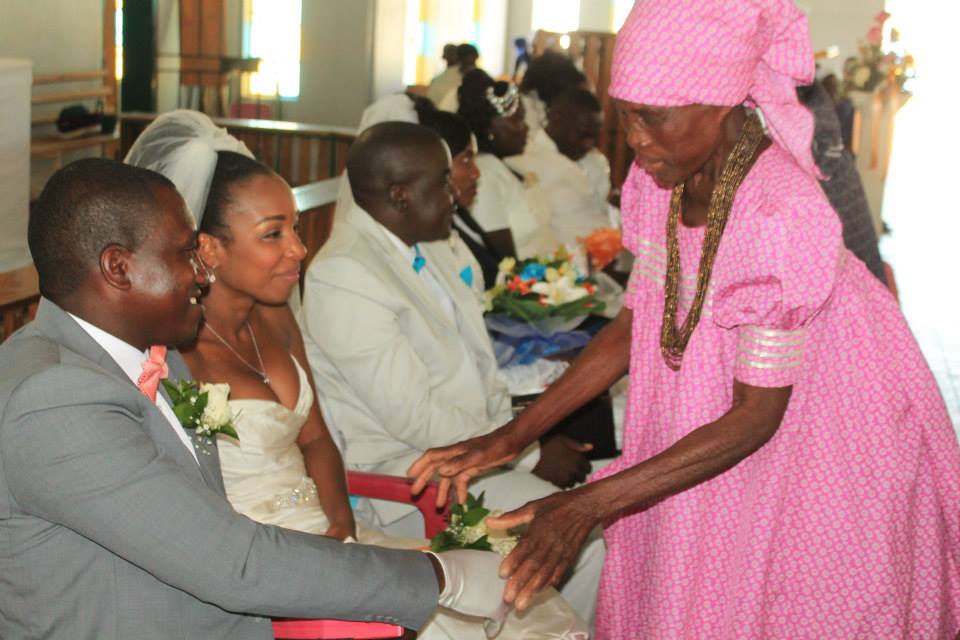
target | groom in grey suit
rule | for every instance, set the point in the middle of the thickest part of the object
(113, 521)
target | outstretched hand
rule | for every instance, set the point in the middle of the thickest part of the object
(459, 463)
(559, 526)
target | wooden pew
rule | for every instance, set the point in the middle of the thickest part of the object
(19, 295)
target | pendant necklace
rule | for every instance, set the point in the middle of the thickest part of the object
(262, 371)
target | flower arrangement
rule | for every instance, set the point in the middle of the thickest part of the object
(204, 407)
(468, 530)
(540, 288)
(603, 246)
(873, 66)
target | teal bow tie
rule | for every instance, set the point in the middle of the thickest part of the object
(419, 262)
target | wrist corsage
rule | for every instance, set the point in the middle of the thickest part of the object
(468, 530)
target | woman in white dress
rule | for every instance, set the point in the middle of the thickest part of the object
(285, 469)
(512, 209)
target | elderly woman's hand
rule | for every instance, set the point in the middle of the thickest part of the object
(459, 463)
(559, 526)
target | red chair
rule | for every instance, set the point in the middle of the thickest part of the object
(383, 487)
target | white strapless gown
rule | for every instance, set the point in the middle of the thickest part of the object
(266, 480)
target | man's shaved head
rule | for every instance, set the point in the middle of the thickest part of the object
(385, 155)
(85, 207)
(400, 175)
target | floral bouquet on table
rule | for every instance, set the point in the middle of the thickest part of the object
(468, 530)
(549, 294)
(535, 306)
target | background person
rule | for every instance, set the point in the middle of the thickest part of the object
(572, 173)
(511, 208)
(448, 80)
(465, 176)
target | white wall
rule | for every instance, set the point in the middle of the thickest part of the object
(388, 47)
(595, 15)
(56, 35)
(336, 62)
(14, 162)
(168, 52)
(839, 23)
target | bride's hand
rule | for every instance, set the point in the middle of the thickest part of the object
(342, 530)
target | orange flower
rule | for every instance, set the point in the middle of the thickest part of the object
(603, 245)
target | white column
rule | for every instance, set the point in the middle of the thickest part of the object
(15, 80)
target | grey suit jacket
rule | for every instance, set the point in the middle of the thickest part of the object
(110, 529)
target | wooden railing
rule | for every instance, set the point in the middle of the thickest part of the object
(592, 51)
(301, 153)
(19, 294)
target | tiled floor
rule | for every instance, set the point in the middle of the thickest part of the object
(921, 208)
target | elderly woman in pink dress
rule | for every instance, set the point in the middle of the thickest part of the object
(789, 467)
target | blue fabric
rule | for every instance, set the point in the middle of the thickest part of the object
(419, 262)
(467, 275)
(510, 351)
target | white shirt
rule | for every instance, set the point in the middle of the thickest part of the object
(436, 290)
(130, 360)
(506, 202)
(576, 191)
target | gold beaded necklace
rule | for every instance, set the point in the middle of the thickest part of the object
(673, 340)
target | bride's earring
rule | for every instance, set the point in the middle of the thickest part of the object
(211, 275)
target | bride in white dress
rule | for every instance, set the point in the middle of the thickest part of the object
(285, 469)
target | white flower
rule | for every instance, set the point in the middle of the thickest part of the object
(552, 275)
(560, 291)
(217, 412)
(507, 265)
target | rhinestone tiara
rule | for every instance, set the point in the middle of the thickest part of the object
(507, 104)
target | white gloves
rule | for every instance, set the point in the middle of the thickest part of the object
(473, 583)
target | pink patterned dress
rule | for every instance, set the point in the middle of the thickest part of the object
(846, 524)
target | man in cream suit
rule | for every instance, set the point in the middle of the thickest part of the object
(392, 320)
(113, 520)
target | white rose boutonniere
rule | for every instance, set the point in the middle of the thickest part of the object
(204, 408)
(217, 416)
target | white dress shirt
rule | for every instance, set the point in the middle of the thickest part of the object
(504, 201)
(130, 360)
(576, 192)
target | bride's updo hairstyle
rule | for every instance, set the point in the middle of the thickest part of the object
(476, 109)
(232, 169)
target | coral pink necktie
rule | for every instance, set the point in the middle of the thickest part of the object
(154, 368)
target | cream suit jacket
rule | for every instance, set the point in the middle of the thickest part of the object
(395, 376)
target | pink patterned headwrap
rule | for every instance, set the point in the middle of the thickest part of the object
(720, 52)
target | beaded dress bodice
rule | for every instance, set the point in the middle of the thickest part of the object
(264, 473)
